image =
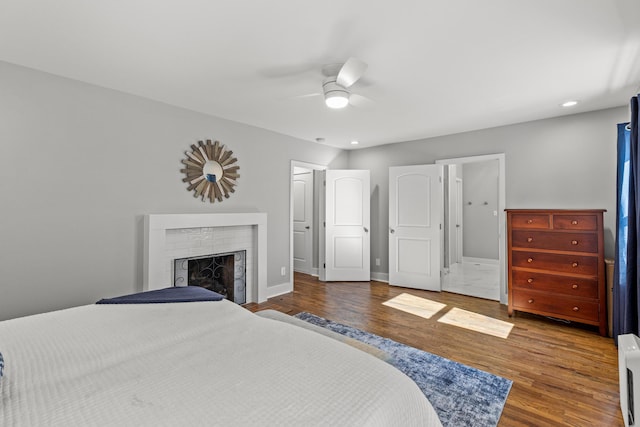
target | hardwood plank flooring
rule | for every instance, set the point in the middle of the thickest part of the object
(563, 374)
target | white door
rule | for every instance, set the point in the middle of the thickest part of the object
(347, 199)
(415, 212)
(302, 221)
(459, 225)
(450, 215)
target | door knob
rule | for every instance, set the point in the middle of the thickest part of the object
(366, 230)
(307, 227)
(391, 230)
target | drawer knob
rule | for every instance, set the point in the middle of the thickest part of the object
(529, 259)
(530, 301)
(529, 280)
(575, 264)
(575, 286)
(574, 242)
(529, 239)
(574, 222)
(576, 309)
(529, 221)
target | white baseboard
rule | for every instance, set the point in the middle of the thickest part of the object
(380, 277)
(473, 260)
(282, 288)
(314, 272)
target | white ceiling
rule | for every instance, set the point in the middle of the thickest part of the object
(435, 66)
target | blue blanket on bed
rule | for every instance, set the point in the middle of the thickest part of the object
(173, 294)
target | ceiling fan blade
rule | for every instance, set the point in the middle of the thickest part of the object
(308, 95)
(350, 72)
(360, 101)
(288, 71)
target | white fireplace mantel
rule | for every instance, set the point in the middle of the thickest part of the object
(155, 229)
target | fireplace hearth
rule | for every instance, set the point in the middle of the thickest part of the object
(223, 273)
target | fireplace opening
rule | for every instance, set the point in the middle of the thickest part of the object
(222, 273)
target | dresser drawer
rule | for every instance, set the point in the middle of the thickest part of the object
(561, 241)
(574, 264)
(566, 285)
(523, 220)
(575, 222)
(551, 305)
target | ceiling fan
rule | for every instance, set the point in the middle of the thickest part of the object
(338, 79)
(336, 86)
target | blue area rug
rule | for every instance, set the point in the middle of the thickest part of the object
(460, 394)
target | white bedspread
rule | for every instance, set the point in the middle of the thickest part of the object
(193, 364)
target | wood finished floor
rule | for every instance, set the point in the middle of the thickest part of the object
(563, 375)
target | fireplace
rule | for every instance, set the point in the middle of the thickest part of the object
(168, 237)
(224, 273)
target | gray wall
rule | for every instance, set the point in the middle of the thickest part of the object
(80, 166)
(480, 201)
(564, 162)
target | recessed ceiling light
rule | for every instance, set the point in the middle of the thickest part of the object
(354, 142)
(570, 104)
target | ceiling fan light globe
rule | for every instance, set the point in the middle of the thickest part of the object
(336, 99)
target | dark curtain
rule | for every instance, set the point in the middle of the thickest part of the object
(626, 298)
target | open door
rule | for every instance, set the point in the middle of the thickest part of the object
(347, 239)
(459, 221)
(303, 221)
(415, 224)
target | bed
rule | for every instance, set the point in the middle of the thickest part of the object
(194, 363)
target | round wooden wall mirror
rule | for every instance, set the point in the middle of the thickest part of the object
(211, 171)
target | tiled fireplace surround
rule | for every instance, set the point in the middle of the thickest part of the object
(172, 236)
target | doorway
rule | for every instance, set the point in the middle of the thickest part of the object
(333, 245)
(474, 226)
(309, 245)
(303, 219)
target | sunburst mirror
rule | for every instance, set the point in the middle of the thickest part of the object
(211, 171)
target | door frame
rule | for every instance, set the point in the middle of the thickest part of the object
(502, 196)
(312, 167)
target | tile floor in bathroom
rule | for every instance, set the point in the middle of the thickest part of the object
(473, 279)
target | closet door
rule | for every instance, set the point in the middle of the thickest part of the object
(415, 225)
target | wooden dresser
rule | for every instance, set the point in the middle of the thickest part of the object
(556, 264)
